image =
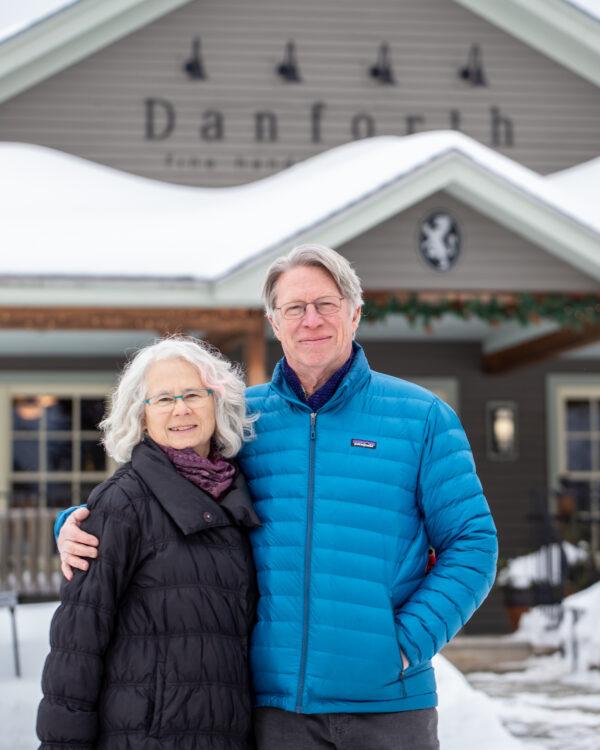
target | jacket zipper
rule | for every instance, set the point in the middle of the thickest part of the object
(402, 683)
(307, 558)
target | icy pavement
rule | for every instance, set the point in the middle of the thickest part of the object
(468, 719)
(546, 705)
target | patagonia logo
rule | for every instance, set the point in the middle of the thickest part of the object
(356, 443)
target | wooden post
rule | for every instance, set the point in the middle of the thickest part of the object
(256, 353)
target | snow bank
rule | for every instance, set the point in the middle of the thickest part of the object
(578, 632)
(468, 718)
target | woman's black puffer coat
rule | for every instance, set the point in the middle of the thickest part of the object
(149, 647)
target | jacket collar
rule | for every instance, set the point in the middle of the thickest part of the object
(191, 508)
(358, 374)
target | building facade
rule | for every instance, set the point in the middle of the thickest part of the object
(214, 95)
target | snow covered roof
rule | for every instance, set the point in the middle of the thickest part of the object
(67, 217)
(66, 33)
(17, 17)
(591, 7)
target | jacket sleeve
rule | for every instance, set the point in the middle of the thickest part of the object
(62, 517)
(460, 528)
(82, 626)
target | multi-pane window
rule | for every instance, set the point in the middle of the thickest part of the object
(579, 455)
(56, 457)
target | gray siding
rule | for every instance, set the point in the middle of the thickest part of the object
(492, 257)
(96, 108)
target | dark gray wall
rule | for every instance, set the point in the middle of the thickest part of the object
(96, 108)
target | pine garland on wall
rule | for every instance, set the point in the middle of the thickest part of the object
(567, 310)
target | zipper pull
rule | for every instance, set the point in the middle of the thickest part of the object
(313, 420)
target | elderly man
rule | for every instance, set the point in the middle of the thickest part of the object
(355, 475)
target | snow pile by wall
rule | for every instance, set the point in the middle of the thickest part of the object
(467, 717)
(578, 632)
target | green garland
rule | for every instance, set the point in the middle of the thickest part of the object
(567, 311)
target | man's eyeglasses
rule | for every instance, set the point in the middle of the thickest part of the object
(324, 306)
(166, 402)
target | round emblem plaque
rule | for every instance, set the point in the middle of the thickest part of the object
(439, 241)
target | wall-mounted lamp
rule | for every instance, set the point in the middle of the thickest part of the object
(288, 68)
(382, 70)
(473, 71)
(194, 66)
(501, 429)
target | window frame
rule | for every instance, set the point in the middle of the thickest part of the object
(559, 389)
(67, 385)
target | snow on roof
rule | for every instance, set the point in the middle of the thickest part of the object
(580, 185)
(591, 7)
(15, 17)
(64, 216)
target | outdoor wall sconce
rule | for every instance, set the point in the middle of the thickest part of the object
(382, 70)
(194, 66)
(288, 68)
(501, 430)
(473, 71)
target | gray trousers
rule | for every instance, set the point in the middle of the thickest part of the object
(403, 730)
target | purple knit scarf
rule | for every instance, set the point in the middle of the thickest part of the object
(214, 474)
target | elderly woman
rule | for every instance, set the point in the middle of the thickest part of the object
(149, 648)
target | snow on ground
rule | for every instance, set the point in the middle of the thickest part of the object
(555, 699)
(577, 634)
(546, 705)
(468, 719)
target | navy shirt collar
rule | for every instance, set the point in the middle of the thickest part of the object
(321, 396)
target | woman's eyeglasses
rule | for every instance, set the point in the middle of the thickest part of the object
(166, 402)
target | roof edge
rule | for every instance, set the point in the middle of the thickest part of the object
(556, 28)
(70, 35)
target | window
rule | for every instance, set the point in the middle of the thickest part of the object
(53, 456)
(575, 416)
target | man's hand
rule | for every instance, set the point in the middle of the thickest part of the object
(74, 544)
(405, 662)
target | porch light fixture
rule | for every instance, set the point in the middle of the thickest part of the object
(501, 429)
(382, 71)
(473, 70)
(288, 68)
(194, 66)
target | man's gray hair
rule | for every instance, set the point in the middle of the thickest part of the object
(122, 427)
(317, 256)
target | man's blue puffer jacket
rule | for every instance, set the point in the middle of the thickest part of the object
(351, 499)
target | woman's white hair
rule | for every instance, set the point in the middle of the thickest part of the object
(122, 427)
(317, 256)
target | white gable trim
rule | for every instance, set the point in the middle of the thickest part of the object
(503, 201)
(554, 27)
(70, 35)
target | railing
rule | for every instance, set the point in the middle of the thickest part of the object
(29, 563)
